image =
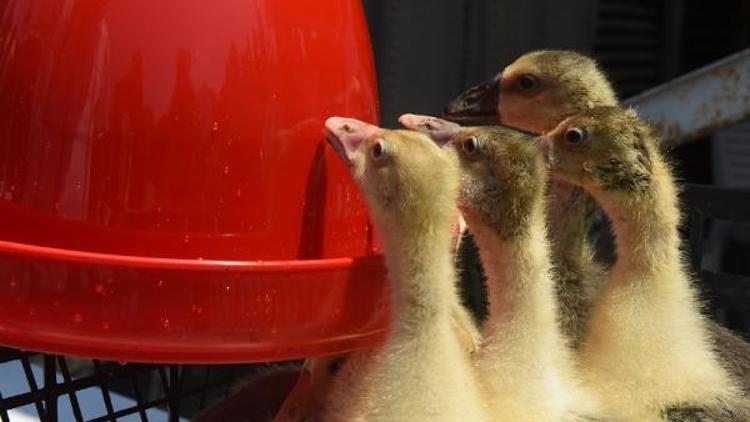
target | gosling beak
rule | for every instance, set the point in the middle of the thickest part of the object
(478, 103)
(346, 135)
(441, 131)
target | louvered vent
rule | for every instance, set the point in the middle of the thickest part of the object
(629, 43)
(714, 30)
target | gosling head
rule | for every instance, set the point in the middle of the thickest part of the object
(406, 179)
(502, 172)
(536, 91)
(605, 149)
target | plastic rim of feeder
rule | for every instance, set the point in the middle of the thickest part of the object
(166, 194)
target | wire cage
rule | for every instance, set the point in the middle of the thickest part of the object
(60, 388)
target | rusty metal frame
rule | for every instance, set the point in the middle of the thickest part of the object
(699, 102)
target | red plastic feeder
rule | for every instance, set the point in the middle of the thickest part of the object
(166, 194)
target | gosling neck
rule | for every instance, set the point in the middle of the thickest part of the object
(420, 257)
(645, 223)
(519, 287)
(569, 208)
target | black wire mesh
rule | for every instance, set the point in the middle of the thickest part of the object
(53, 382)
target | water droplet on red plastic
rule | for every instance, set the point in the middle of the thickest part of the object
(99, 288)
(274, 330)
(197, 309)
(337, 311)
(77, 317)
(164, 321)
(160, 284)
(267, 298)
(227, 288)
(238, 193)
(79, 185)
(226, 169)
(13, 282)
(215, 127)
(186, 239)
(105, 325)
(122, 362)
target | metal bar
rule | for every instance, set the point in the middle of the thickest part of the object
(77, 384)
(138, 398)
(204, 389)
(3, 412)
(164, 384)
(34, 389)
(155, 403)
(71, 391)
(699, 102)
(9, 354)
(105, 391)
(50, 388)
(175, 387)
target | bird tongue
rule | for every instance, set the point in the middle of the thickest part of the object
(459, 226)
(346, 135)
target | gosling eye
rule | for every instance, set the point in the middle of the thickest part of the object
(575, 135)
(377, 150)
(470, 145)
(527, 82)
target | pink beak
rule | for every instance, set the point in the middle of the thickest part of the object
(441, 131)
(346, 135)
